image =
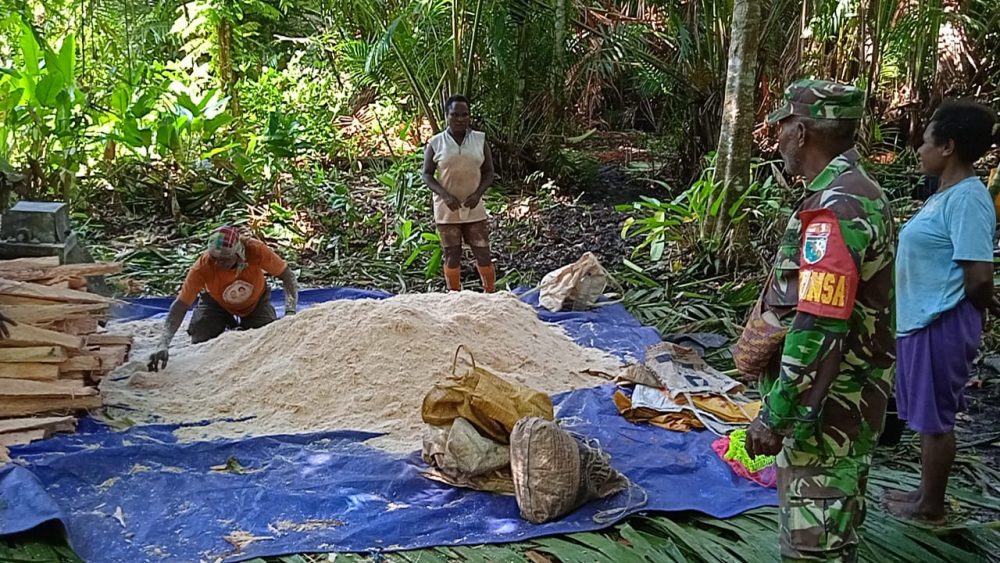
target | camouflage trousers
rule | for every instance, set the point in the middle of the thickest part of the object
(822, 505)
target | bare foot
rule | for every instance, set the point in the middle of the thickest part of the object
(913, 511)
(909, 497)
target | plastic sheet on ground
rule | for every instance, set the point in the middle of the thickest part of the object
(139, 495)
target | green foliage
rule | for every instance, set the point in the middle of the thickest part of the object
(686, 221)
(572, 168)
(41, 110)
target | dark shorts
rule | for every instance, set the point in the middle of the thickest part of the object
(476, 235)
(209, 319)
(933, 367)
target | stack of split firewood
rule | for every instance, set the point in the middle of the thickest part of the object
(56, 354)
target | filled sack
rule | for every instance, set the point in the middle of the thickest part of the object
(555, 474)
(575, 287)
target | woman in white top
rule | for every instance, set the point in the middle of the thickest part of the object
(466, 171)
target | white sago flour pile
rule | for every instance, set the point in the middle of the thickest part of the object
(359, 365)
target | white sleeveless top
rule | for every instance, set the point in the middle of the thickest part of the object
(459, 172)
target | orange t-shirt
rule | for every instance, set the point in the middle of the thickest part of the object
(238, 293)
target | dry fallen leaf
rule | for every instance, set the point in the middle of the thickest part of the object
(120, 516)
(240, 539)
(536, 557)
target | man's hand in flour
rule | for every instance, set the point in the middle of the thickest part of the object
(158, 360)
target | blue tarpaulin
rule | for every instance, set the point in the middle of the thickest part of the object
(138, 495)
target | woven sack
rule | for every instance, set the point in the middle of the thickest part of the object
(555, 474)
(762, 339)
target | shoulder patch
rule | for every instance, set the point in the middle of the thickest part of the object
(817, 237)
(828, 276)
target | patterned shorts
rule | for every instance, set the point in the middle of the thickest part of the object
(822, 505)
(476, 235)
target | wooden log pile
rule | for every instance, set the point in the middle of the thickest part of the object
(56, 355)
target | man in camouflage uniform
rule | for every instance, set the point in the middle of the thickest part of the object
(832, 286)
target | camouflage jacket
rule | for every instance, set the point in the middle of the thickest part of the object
(832, 285)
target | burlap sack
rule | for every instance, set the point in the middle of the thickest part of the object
(492, 404)
(458, 455)
(554, 474)
(576, 286)
(459, 449)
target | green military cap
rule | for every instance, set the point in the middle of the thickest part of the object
(820, 99)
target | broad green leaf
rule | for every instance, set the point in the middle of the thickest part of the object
(144, 104)
(656, 248)
(134, 136)
(166, 136)
(12, 99)
(571, 552)
(604, 545)
(219, 150)
(434, 264)
(185, 101)
(48, 89)
(212, 125)
(30, 50)
(29, 83)
(413, 256)
(67, 57)
(120, 99)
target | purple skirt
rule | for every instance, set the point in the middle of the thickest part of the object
(933, 367)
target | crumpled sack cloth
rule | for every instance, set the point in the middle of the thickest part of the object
(680, 421)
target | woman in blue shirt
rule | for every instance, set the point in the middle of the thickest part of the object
(944, 283)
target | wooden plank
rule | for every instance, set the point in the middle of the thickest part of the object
(21, 438)
(44, 354)
(112, 356)
(40, 263)
(37, 291)
(17, 388)
(22, 335)
(79, 326)
(26, 406)
(81, 363)
(45, 423)
(108, 339)
(66, 272)
(28, 371)
(80, 376)
(18, 300)
(38, 314)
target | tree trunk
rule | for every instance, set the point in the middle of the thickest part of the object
(557, 77)
(732, 172)
(226, 73)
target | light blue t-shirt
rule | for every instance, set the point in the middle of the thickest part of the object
(956, 224)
